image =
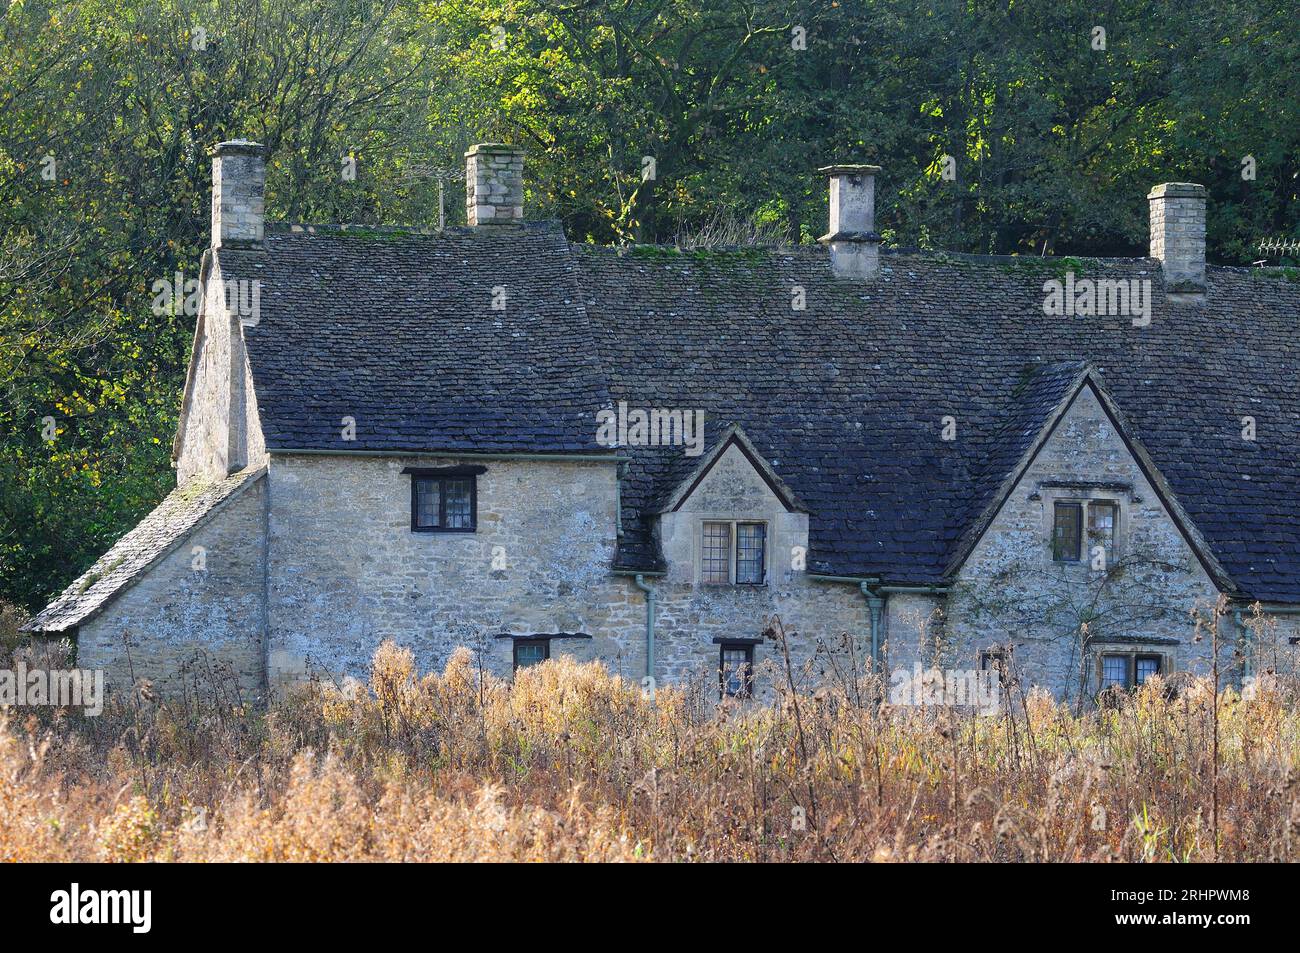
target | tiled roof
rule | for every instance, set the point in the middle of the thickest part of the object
(844, 399)
(397, 330)
(168, 524)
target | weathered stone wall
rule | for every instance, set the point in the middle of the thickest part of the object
(347, 572)
(206, 618)
(915, 626)
(1270, 646)
(206, 412)
(222, 431)
(254, 442)
(1010, 592)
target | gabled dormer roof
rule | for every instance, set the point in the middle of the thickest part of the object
(1043, 402)
(732, 436)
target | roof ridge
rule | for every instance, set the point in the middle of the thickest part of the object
(1045, 262)
(343, 228)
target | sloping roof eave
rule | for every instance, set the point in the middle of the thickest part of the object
(137, 552)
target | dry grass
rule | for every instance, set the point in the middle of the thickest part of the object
(570, 763)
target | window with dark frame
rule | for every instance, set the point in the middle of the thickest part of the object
(736, 669)
(994, 660)
(428, 502)
(1067, 524)
(444, 499)
(733, 553)
(1114, 671)
(1080, 526)
(1144, 666)
(531, 652)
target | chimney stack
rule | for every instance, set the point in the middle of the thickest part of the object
(238, 194)
(1178, 235)
(494, 184)
(853, 240)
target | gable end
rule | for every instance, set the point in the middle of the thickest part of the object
(1089, 379)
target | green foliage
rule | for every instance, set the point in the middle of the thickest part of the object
(1055, 145)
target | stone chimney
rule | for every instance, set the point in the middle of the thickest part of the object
(1178, 235)
(238, 194)
(494, 184)
(852, 238)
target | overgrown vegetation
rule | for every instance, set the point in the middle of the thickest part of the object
(571, 763)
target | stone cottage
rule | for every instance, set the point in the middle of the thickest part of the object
(493, 437)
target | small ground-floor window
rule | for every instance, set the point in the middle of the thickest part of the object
(534, 648)
(1124, 670)
(994, 660)
(736, 669)
(531, 652)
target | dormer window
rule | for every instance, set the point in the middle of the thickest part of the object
(733, 553)
(1070, 543)
(444, 499)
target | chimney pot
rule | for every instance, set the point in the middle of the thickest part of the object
(494, 184)
(1178, 235)
(852, 238)
(238, 194)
